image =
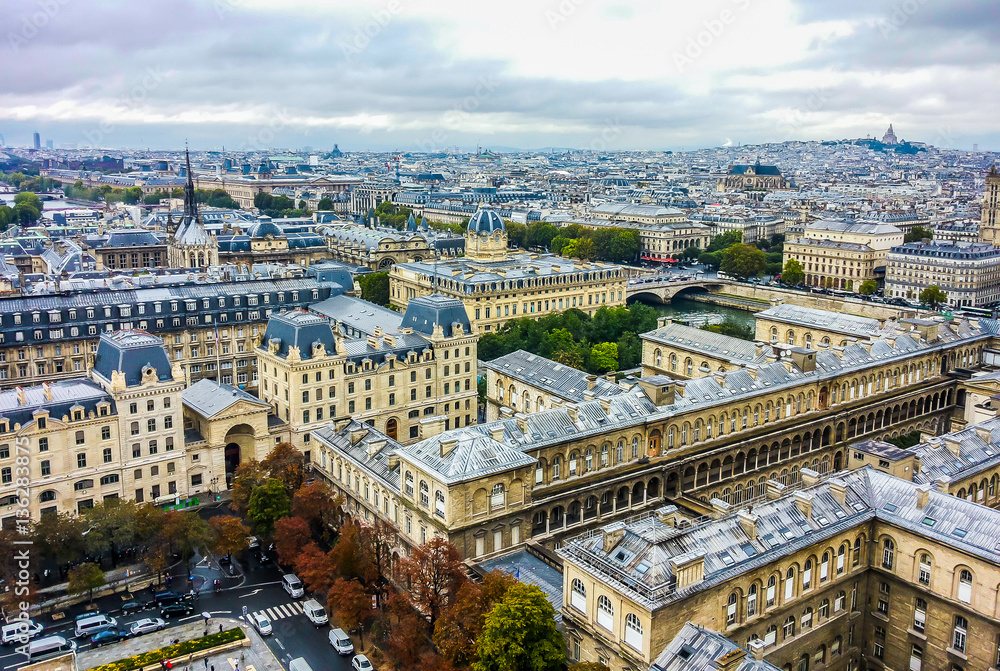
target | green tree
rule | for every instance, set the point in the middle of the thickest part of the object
(325, 203)
(133, 195)
(691, 253)
(558, 340)
(724, 241)
(604, 356)
(520, 634)
(710, 260)
(111, 527)
(792, 273)
(933, 296)
(268, 504)
(868, 287)
(743, 261)
(375, 287)
(85, 577)
(629, 351)
(584, 248)
(540, 234)
(516, 234)
(918, 233)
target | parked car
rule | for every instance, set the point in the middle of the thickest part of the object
(177, 608)
(361, 663)
(105, 637)
(262, 624)
(163, 598)
(341, 642)
(147, 625)
(133, 607)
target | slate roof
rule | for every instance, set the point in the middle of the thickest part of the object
(975, 453)
(851, 226)
(348, 312)
(485, 221)
(423, 313)
(558, 379)
(132, 238)
(298, 328)
(376, 464)
(530, 569)
(757, 168)
(208, 397)
(695, 648)
(699, 341)
(861, 327)
(474, 455)
(639, 562)
(516, 269)
(131, 352)
(66, 395)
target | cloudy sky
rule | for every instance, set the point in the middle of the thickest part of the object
(422, 75)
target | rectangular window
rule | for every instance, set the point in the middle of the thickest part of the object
(81, 460)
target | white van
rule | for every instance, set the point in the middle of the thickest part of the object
(299, 664)
(89, 626)
(19, 631)
(315, 612)
(43, 646)
(341, 642)
(292, 585)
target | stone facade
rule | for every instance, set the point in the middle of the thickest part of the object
(967, 272)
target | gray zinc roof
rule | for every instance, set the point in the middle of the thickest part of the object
(700, 341)
(208, 397)
(556, 378)
(695, 648)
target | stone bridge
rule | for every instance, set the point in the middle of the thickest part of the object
(663, 292)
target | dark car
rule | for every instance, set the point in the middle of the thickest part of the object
(163, 598)
(106, 636)
(177, 608)
(132, 607)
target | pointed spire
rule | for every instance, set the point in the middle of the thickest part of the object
(190, 204)
(411, 223)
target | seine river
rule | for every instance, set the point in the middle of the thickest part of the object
(698, 314)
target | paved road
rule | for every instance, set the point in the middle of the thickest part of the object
(260, 590)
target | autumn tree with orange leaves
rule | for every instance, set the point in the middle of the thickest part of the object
(434, 571)
(291, 534)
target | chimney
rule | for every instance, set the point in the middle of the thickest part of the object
(47, 391)
(953, 444)
(732, 660)
(522, 422)
(944, 484)
(506, 413)
(374, 447)
(21, 399)
(775, 490)
(610, 376)
(809, 477)
(916, 464)
(923, 495)
(719, 508)
(679, 388)
(667, 515)
(804, 502)
(984, 433)
(613, 533)
(588, 395)
(573, 410)
(447, 445)
(748, 522)
(720, 377)
(839, 491)
(752, 370)
(688, 568)
(605, 404)
(496, 432)
(431, 426)
(358, 432)
(757, 649)
(591, 382)
(758, 349)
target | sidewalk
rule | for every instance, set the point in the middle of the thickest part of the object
(256, 657)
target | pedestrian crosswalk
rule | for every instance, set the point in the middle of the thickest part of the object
(279, 612)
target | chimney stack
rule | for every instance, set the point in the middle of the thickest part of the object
(732, 660)
(748, 522)
(923, 495)
(591, 382)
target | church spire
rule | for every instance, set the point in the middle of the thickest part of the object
(190, 204)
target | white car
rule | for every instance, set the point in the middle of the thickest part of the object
(147, 625)
(252, 542)
(262, 624)
(361, 663)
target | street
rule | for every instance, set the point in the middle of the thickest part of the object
(259, 590)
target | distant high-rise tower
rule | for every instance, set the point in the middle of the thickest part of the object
(889, 137)
(48, 144)
(989, 226)
(37, 140)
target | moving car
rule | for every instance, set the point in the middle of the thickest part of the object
(163, 598)
(315, 612)
(177, 608)
(19, 631)
(147, 625)
(94, 624)
(341, 642)
(132, 607)
(361, 663)
(262, 624)
(107, 636)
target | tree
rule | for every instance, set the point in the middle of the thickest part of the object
(377, 541)
(588, 666)
(314, 567)
(434, 571)
(291, 534)
(710, 260)
(868, 287)
(516, 233)
(325, 204)
(229, 534)
(59, 537)
(351, 604)
(918, 233)
(792, 273)
(375, 287)
(316, 503)
(743, 261)
(85, 577)
(111, 527)
(408, 639)
(691, 253)
(132, 195)
(604, 356)
(285, 464)
(348, 556)
(520, 634)
(460, 625)
(185, 532)
(268, 504)
(248, 476)
(724, 241)
(933, 296)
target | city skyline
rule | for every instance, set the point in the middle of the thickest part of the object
(396, 76)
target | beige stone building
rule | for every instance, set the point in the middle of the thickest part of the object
(809, 327)
(684, 352)
(642, 214)
(967, 272)
(375, 248)
(989, 227)
(840, 254)
(404, 369)
(496, 286)
(754, 177)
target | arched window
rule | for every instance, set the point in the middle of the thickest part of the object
(840, 601)
(688, 367)
(856, 554)
(578, 597)
(788, 629)
(659, 357)
(673, 362)
(924, 574)
(771, 586)
(439, 503)
(752, 601)
(497, 497)
(961, 634)
(824, 567)
(556, 467)
(965, 586)
(888, 553)
(425, 494)
(841, 557)
(790, 584)
(771, 636)
(731, 608)
(604, 456)
(807, 572)
(589, 460)
(633, 631)
(807, 618)
(635, 447)
(391, 428)
(790, 337)
(620, 452)
(46, 496)
(605, 613)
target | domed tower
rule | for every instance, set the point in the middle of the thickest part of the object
(486, 237)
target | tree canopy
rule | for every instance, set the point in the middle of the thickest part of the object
(743, 261)
(918, 233)
(933, 296)
(375, 287)
(520, 634)
(792, 273)
(268, 504)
